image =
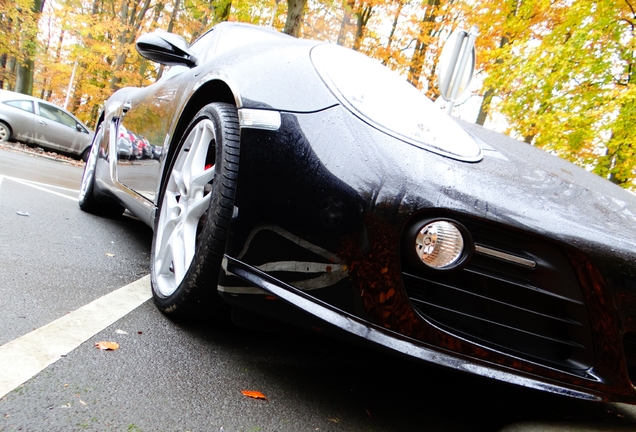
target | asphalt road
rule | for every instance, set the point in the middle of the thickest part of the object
(173, 376)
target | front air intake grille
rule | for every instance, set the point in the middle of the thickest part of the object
(532, 307)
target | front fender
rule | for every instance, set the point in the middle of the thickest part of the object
(291, 85)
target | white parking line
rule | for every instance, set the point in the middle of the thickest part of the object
(23, 358)
(38, 186)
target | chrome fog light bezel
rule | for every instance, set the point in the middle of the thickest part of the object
(416, 234)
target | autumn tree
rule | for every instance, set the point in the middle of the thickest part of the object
(571, 91)
(18, 42)
(506, 26)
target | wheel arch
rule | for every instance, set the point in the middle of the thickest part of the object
(211, 91)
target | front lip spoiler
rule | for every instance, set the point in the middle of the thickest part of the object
(387, 338)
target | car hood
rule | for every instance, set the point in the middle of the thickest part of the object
(514, 184)
(527, 187)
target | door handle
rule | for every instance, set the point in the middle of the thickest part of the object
(42, 122)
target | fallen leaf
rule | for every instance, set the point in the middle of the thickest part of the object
(382, 297)
(390, 293)
(108, 346)
(254, 394)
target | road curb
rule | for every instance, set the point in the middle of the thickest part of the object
(33, 152)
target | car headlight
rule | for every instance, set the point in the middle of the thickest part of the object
(388, 102)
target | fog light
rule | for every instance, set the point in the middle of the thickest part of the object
(439, 244)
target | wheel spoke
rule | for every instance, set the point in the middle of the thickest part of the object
(197, 208)
(201, 179)
(184, 204)
(163, 272)
(178, 254)
(194, 164)
(169, 222)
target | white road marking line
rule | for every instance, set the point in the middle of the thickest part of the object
(35, 186)
(41, 184)
(23, 358)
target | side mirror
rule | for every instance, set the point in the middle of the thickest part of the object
(456, 65)
(166, 48)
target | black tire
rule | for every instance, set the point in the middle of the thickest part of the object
(87, 200)
(5, 132)
(85, 154)
(191, 228)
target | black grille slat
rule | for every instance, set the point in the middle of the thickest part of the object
(559, 341)
(512, 305)
(488, 274)
(537, 313)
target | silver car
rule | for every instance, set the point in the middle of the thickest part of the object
(34, 121)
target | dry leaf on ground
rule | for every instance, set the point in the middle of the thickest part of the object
(254, 394)
(104, 345)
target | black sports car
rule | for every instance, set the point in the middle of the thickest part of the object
(307, 182)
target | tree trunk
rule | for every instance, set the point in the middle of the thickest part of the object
(11, 63)
(396, 18)
(342, 34)
(120, 58)
(222, 10)
(3, 66)
(362, 18)
(484, 108)
(130, 20)
(28, 42)
(295, 12)
(421, 45)
(24, 77)
(173, 17)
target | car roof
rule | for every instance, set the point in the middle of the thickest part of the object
(11, 95)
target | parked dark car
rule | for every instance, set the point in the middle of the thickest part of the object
(306, 182)
(34, 121)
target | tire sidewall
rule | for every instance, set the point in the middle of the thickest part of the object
(87, 200)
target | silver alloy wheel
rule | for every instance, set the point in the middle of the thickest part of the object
(185, 201)
(5, 133)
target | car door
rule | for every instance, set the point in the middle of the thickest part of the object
(148, 116)
(56, 129)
